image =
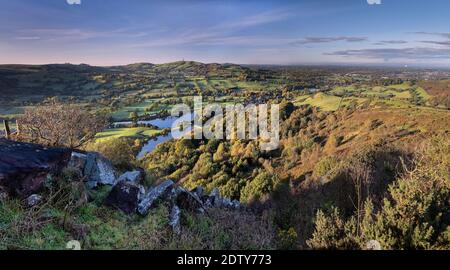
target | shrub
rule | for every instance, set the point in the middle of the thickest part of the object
(414, 215)
(60, 125)
(262, 185)
(287, 239)
(326, 166)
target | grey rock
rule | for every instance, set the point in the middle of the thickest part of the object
(78, 161)
(3, 196)
(215, 193)
(141, 192)
(207, 202)
(175, 192)
(199, 191)
(124, 196)
(99, 170)
(153, 195)
(227, 203)
(134, 177)
(34, 200)
(25, 167)
(189, 201)
(215, 199)
(236, 204)
(175, 217)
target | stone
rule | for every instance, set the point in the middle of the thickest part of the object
(3, 196)
(174, 219)
(226, 203)
(78, 161)
(34, 200)
(215, 199)
(24, 167)
(99, 170)
(189, 201)
(236, 204)
(199, 191)
(153, 195)
(124, 196)
(134, 177)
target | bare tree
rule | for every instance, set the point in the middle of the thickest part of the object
(60, 124)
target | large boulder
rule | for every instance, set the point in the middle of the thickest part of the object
(189, 201)
(153, 195)
(124, 196)
(199, 191)
(24, 167)
(134, 177)
(97, 170)
(78, 161)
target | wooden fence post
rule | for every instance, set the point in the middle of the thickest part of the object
(7, 130)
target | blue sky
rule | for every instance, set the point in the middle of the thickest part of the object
(112, 32)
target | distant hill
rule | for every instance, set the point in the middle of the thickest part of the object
(68, 79)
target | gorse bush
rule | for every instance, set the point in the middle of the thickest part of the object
(263, 185)
(415, 214)
(236, 167)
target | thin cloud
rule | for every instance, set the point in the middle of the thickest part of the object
(393, 53)
(28, 38)
(76, 34)
(254, 20)
(316, 40)
(437, 34)
(374, 2)
(224, 33)
(74, 2)
(443, 43)
(393, 42)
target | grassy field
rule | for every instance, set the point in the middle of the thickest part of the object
(423, 93)
(124, 112)
(321, 100)
(138, 132)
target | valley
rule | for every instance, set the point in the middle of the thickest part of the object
(350, 138)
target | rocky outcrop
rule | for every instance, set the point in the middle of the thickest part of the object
(134, 177)
(95, 169)
(175, 219)
(24, 167)
(124, 196)
(130, 197)
(153, 195)
(189, 201)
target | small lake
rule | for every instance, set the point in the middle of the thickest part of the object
(150, 145)
(162, 123)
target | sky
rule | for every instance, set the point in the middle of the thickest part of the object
(117, 32)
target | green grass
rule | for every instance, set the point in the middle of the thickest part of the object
(137, 132)
(423, 93)
(403, 86)
(124, 112)
(398, 94)
(342, 89)
(321, 100)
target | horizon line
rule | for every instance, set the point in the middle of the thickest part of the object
(344, 64)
